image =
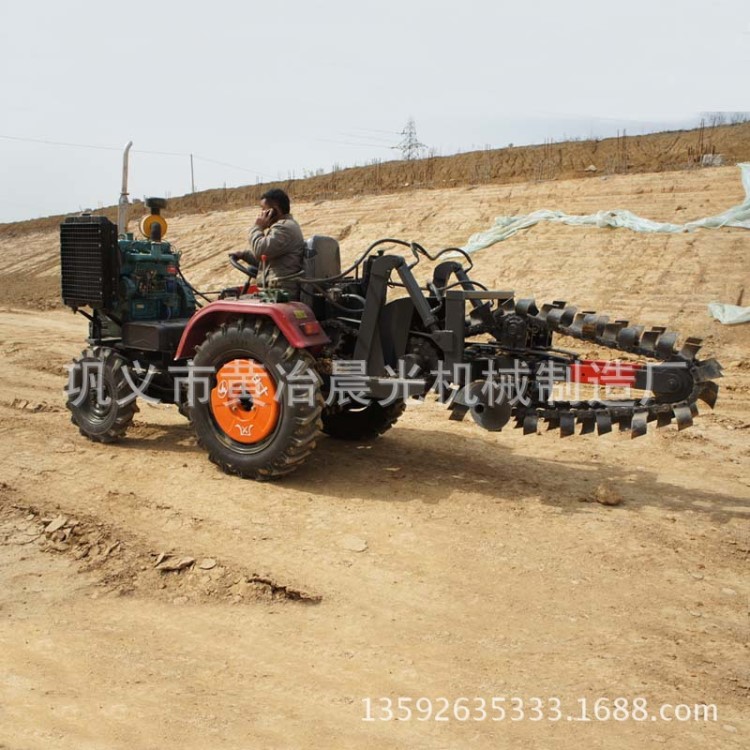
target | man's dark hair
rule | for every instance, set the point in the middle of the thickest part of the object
(279, 197)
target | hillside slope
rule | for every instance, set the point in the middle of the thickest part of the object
(589, 159)
(660, 279)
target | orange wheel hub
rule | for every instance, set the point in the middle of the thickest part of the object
(244, 402)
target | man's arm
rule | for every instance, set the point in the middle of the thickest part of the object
(277, 242)
(261, 245)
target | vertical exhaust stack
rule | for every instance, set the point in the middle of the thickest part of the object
(124, 203)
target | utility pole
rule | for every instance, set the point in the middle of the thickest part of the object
(410, 146)
(192, 175)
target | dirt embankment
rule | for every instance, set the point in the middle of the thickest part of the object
(655, 279)
(656, 152)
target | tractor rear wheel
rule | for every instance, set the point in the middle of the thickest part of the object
(261, 413)
(362, 422)
(99, 396)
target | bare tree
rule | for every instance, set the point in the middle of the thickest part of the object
(714, 118)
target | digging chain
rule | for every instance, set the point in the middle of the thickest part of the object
(634, 415)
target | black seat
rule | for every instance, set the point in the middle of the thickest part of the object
(321, 260)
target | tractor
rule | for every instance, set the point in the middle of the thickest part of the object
(260, 373)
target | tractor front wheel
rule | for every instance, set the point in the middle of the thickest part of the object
(99, 396)
(260, 414)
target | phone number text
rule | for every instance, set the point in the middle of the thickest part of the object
(513, 708)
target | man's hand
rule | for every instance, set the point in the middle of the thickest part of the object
(265, 219)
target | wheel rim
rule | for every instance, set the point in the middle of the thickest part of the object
(99, 410)
(243, 401)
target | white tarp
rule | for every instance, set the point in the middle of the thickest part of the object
(729, 315)
(507, 226)
(738, 216)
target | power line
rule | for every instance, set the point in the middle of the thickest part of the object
(376, 130)
(67, 144)
(231, 166)
(157, 153)
(369, 136)
(59, 143)
(359, 145)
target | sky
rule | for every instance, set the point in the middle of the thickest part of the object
(263, 91)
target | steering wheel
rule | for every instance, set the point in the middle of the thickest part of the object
(250, 271)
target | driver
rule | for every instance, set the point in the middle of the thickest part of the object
(276, 243)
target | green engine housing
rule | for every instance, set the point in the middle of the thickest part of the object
(122, 279)
(150, 287)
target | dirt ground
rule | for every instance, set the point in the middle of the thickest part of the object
(438, 561)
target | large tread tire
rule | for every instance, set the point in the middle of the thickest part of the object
(97, 422)
(298, 425)
(364, 423)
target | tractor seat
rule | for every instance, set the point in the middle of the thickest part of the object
(321, 259)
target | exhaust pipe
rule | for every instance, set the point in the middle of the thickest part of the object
(124, 203)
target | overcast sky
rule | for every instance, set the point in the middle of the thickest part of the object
(273, 89)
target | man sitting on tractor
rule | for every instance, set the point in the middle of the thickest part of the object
(276, 244)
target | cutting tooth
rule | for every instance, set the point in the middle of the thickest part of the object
(552, 423)
(530, 424)
(708, 393)
(693, 408)
(546, 309)
(663, 418)
(554, 317)
(527, 307)
(562, 304)
(624, 422)
(588, 327)
(518, 422)
(458, 411)
(649, 339)
(629, 337)
(691, 347)
(601, 324)
(707, 371)
(567, 423)
(658, 329)
(683, 415)
(665, 344)
(611, 330)
(603, 422)
(638, 425)
(508, 305)
(568, 316)
(588, 425)
(576, 328)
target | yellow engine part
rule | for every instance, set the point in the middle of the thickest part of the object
(149, 220)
